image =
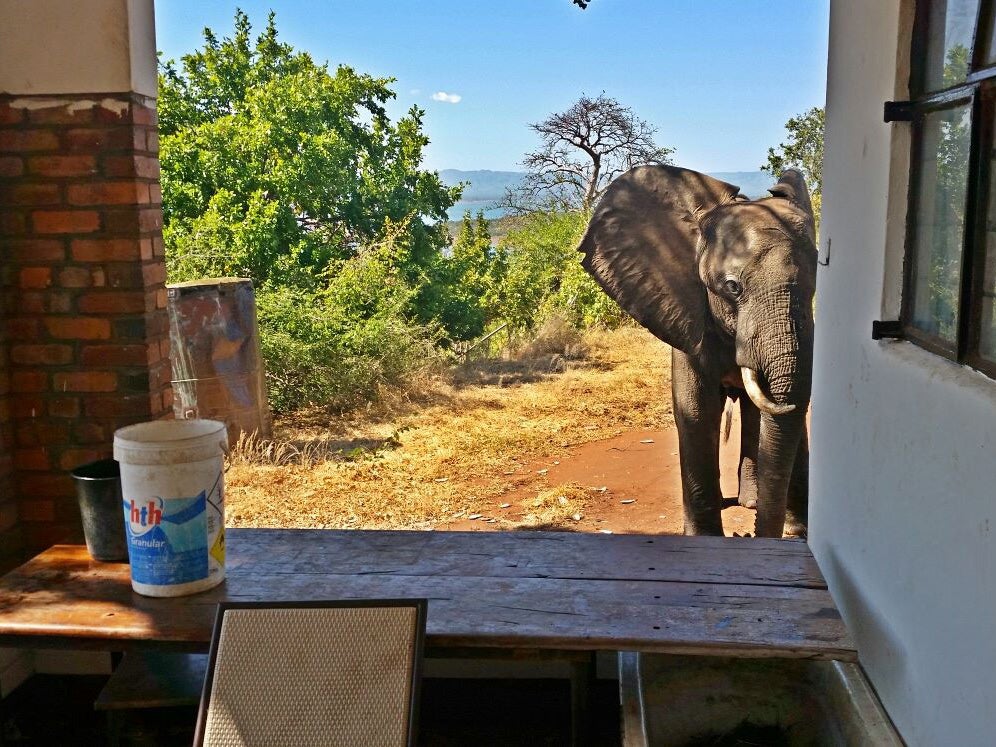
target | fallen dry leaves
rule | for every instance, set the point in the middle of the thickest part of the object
(448, 447)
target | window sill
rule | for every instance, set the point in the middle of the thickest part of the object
(938, 369)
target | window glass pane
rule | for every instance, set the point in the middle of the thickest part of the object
(950, 27)
(987, 336)
(940, 220)
(987, 330)
(990, 38)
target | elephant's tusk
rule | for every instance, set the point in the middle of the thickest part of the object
(758, 397)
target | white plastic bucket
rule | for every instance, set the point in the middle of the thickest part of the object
(173, 486)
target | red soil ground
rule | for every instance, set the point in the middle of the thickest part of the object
(642, 484)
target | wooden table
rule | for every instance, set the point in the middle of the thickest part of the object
(535, 591)
(554, 595)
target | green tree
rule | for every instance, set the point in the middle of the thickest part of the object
(273, 166)
(461, 291)
(278, 169)
(956, 66)
(473, 257)
(804, 151)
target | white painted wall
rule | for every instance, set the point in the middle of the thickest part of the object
(903, 475)
(67, 46)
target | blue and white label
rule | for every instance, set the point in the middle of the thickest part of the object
(167, 539)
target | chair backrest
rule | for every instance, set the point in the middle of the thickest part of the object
(310, 673)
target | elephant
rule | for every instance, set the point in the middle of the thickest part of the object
(728, 283)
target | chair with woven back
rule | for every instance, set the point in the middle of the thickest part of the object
(328, 673)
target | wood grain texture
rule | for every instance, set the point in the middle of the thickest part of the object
(534, 555)
(536, 590)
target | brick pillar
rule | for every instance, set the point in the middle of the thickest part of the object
(10, 530)
(85, 322)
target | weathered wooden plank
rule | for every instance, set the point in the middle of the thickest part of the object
(305, 537)
(530, 554)
(62, 594)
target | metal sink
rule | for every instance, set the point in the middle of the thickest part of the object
(691, 700)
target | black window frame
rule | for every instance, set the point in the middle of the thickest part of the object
(979, 91)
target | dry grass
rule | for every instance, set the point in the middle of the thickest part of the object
(444, 449)
(555, 337)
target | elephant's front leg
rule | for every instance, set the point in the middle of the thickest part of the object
(750, 428)
(698, 410)
(797, 513)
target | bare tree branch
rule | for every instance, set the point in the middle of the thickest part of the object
(581, 150)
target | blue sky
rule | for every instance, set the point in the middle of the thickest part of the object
(718, 78)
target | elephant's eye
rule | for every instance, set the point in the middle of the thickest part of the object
(733, 287)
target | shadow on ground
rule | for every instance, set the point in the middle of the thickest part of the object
(310, 451)
(545, 527)
(505, 373)
(345, 449)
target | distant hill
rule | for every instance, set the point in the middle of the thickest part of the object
(485, 188)
(488, 187)
(754, 184)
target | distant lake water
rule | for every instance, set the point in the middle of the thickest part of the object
(483, 188)
(456, 212)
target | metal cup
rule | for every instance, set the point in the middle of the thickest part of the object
(98, 488)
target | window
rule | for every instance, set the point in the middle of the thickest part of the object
(949, 295)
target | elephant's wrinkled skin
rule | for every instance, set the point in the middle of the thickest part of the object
(728, 283)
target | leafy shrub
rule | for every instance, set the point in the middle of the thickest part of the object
(338, 345)
(542, 276)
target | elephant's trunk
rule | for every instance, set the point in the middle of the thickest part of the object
(778, 443)
(785, 367)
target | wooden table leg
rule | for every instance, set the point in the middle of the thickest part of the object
(582, 683)
(115, 727)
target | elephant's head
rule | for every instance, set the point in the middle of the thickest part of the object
(726, 280)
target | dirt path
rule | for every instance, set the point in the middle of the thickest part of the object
(537, 443)
(641, 478)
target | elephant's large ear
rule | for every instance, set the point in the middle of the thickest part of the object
(641, 248)
(791, 186)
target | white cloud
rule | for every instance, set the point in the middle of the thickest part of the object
(449, 98)
(415, 91)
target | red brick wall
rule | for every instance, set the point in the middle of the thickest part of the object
(85, 321)
(10, 531)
